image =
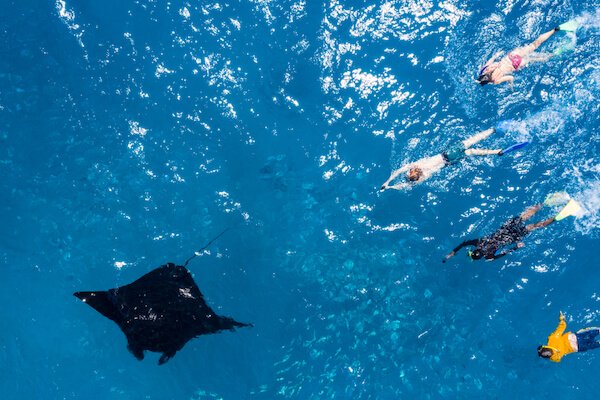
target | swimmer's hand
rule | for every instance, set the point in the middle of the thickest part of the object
(398, 186)
(562, 316)
(520, 245)
(448, 256)
(500, 153)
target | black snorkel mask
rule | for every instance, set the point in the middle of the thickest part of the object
(475, 254)
(546, 351)
(484, 78)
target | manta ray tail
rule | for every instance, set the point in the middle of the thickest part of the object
(231, 324)
(199, 252)
(101, 302)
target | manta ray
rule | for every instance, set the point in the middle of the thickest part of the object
(160, 312)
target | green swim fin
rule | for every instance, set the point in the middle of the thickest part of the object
(571, 209)
(557, 199)
(569, 26)
(565, 47)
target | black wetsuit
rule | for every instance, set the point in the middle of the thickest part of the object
(512, 231)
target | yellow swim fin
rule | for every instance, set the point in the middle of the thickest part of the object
(571, 209)
(557, 199)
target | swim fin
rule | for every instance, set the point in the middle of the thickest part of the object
(565, 47)
(569, 26)
(557, 199)
(571, 209)
(514, 147)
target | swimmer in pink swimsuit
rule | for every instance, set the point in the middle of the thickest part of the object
(515, 59)
(501, 71)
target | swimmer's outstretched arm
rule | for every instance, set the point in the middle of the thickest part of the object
(505, 252)
(472, 242)
(562, 325)
(394, 175)
(491, 60)
(405, 185)
(398, 186)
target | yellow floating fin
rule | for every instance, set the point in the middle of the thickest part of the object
(557, 199)
(571, 209)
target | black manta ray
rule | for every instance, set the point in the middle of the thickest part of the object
(161, 311)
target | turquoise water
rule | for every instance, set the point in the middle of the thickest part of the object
(133, 132)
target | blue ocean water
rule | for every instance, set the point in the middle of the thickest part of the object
(132, 132)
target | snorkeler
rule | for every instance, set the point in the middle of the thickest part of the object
(519, 58)
(422, 169)
(560, 344)
(512, 231)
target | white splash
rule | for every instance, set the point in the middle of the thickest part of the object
(162, 70)
(184, 12)
(589, 220)
(68, 17)
(136, 129)
(588, 20)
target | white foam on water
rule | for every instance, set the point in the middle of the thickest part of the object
(68, 17)
(588, 20)
(588, 221)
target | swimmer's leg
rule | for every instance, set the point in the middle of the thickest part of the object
(586, 339)
(530, 212)
(535, 57)
(538, 57)
(482, 152)
(590, 332)
(538, 225)
(530, 48)
(477, 137)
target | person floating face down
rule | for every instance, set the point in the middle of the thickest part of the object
(510, 233)
(560, 343)
(419, 171)
(501, 71)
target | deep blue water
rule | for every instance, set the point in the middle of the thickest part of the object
(134, 131)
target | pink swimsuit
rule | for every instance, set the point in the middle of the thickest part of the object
(515, 59)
